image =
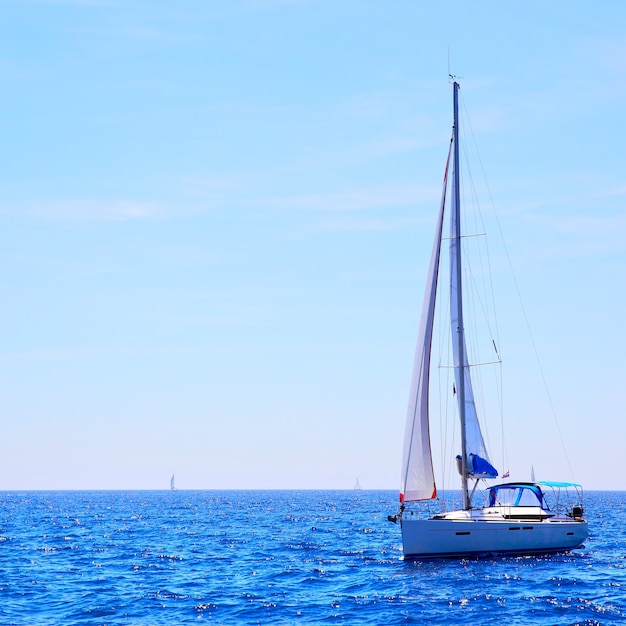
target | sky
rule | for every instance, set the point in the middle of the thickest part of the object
(216, 217)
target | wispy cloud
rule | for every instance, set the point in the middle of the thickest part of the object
(70, 3)
(353, 224)
(571, 232)
(63, 354)
(361, 199)
(87, 210)
(360, 210)
(611, 56)
(270, 4)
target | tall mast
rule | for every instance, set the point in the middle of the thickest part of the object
(460, 333)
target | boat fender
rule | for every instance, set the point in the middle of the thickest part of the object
(393, 518)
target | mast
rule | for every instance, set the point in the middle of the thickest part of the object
(460, 332)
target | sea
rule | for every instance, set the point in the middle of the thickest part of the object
(281, 557)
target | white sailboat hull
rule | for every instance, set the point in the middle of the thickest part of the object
(444, 537)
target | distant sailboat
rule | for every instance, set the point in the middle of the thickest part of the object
(357, 484)
(173, 484)
(516, 518)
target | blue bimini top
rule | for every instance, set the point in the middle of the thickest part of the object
(516, 494)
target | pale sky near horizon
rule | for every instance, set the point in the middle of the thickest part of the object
(215, 221)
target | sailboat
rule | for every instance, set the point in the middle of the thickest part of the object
(173, 484)
(515, 517)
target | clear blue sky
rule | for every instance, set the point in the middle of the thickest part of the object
(215, 219)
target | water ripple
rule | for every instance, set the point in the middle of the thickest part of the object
(280, 557)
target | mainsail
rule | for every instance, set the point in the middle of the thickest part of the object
(477, 462)
(418, 479)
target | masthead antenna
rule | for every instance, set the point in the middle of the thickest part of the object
(451, 77)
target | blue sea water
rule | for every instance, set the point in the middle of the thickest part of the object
(281, 557)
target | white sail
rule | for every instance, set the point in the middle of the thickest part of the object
(418, 479)
(475, 448)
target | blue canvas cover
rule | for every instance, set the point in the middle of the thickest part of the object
(482, 467)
